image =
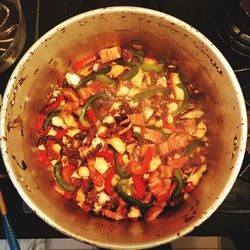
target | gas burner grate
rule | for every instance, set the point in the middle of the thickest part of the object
(231, 21)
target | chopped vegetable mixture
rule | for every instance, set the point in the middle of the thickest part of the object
(123, 135)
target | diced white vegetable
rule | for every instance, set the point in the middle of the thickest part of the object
(197, 174)
(101, 165)
(80, 197)
(137, 79)
(154, 163)
(116, 70)
(133, 91)
(53, 162)
(102, 130)
(58, 122)
(70, 121)
(134, 213)
(201, 130)
(130, 148)
(99, 189)
(179, 93)
(159, 123)
(125, 159)
(41, 147)
(147, 113)
(175, 78)
(102, 198)
(56, 147)
(115, 106)
(122, 91)
(196, 113)
(170, 119)
(96, 141)
(76, 175)
(109, 119)
(172, 106)
(161, 81)
(83, 151)
(145, 176)
(117, 144)
(97, 208)
(52, 132)
(115, 180)
(133, 104)
(83, 172)
(72, 132)
(137, 129)
(146, 80)
(72, 79)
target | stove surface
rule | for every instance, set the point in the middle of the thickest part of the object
(41, 16)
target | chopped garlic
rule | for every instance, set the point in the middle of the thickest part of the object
(172, 106)
(70, 121)
(170, 119)
(133, 91)
(161, 81)
(133, 104)
(76, 175)
(116, 70)
(115, 180)
(96, 141)
(102, 130)
(159, 123)
(197, 174)
(97, 208)
(125, 159)
(83, 172)
(58, 122)
(179, 93)
(154, 163)
(56, 147)
(137, 129)
(101, 165)
(115, 106)
(72, 79)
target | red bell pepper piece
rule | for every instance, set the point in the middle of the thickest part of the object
(84, 61)
(108, 181)
(39, 125)
(44, 158)
(138, 169)
(67, 171)
(55, 104)
(107, 156)
(189, 187)
(60, 133)
(92, 115)
(139, 187)
(129, 135)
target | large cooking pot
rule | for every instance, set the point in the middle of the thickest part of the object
(201, 62)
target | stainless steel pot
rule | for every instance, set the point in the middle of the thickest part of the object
(202, 63)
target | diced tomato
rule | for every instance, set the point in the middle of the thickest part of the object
(92, 115)
(108, 185)
(83, 61)
(67, 171)
(140, 187)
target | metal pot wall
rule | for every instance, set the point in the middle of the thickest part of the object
(201, 62)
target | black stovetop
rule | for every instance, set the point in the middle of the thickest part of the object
(234, 213)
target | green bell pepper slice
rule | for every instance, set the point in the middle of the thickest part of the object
(118, 169)
(49, 118)
(180, 185)
(158, 68)
(105, 79)
(131, 73)
(60, 181)
(98, 95)
(129, 199)
(192, 146)
(148, 93)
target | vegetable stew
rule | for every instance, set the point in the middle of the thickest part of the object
(122, 134)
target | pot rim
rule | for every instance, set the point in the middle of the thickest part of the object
(189, 29)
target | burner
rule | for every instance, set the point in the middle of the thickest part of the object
(231, 19)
